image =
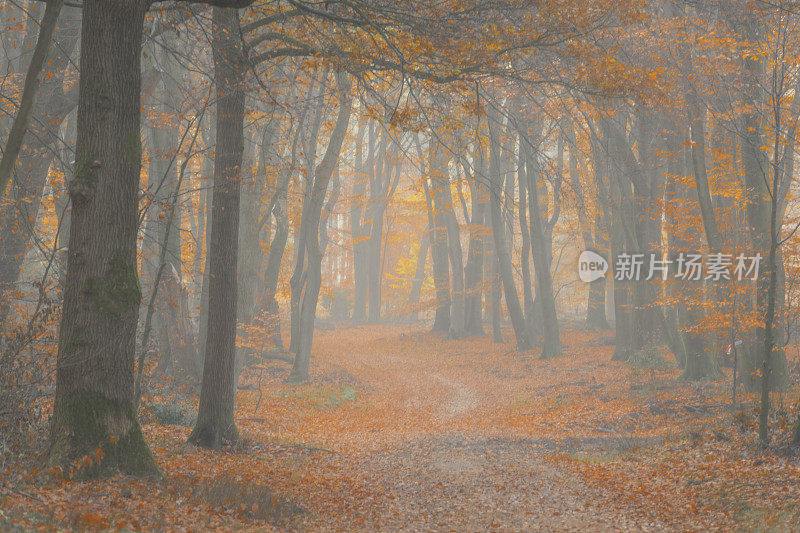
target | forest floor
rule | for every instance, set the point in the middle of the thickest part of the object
(402, 429)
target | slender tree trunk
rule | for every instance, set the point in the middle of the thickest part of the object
(174, 304)
(419, 274)
(441, 270)
(474, 272)
(358, 228)
(376, 213)
(596, 242)
(501, 249)
(37, 153)
(298, 279)
(527, 285)
(215, 423)
(496, 296)
(551, 346)
(29, 90)
(446, 218)
(311, 227)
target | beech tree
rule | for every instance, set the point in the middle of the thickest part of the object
(93, 405)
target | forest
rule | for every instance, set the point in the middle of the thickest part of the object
(416, 265)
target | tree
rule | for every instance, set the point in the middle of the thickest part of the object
(93, 407)
(499, 234)
(215, 424)
(310, 227)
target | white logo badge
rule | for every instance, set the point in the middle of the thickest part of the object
(591, 266)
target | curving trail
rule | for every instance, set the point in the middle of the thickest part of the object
(438, 447)
(402, 430)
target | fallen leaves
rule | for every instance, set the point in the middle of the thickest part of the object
(402, 429)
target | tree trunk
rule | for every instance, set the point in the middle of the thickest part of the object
(441, 270)
(446, 218)
(501, 249)
(208, 173)
(93, 406)
(358, 228)
(527, 286)
(474, 272)
(419, 275)
(312, 213)
(596, 242)
(551, 345)
(22, 120)
(38, 149)
(215, 423)
(379, 172)
(297, 280)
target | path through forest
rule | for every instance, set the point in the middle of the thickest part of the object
(400, 429)
(454, 474)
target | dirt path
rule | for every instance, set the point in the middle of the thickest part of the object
(454, 475)
(400, 430)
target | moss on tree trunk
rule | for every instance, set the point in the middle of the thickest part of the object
(97, 436)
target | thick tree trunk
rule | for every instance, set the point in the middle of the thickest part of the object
(215, 423)
(93, 407)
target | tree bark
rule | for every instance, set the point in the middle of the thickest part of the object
(357, 228)
(441, 270)
(215, 423)
(501, 249)
(358, 225)
(551, 342)
(311, 228)
(419, 275)
(380, 173)
(93, 407)
(474, 272)
(38, 151)
(446, 219)
(28, 101)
